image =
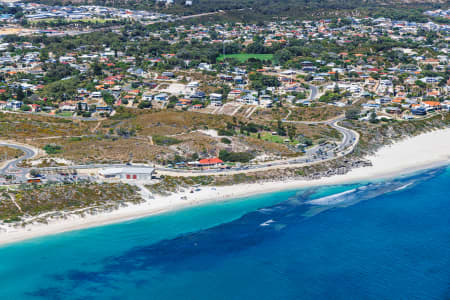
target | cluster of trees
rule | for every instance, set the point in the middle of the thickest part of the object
(162, 140)
(60, 22)
(260, 81)
(412, 15)
(57, 71)
(263, 9)
(60, 90)
(12, 10)
(125, 132)
(52, 148)
(331, 96)
(243, 157)
(352, 113)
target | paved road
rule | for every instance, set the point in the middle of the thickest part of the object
(314, 92)
(314, 155)
(52, 116)
(12, 168)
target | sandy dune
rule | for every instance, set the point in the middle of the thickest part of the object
(424, 151)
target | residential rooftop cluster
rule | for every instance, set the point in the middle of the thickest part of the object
(392, 66)
(176, 94)
(38, 11)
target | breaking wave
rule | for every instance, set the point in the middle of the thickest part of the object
(251, 230)
(373, 190)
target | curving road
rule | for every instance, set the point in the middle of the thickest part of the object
(28, 153)
(11, 167)
(315, 155)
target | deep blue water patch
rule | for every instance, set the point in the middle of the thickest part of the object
(381, 240)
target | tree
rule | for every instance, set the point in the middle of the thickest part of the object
(373, 117)
(97, 69)
(34, 172)
(144, 104)
(352, 113)
(225, 140)
(292, 132)
(25, 108)
(336, 88)
(235, 156)
(56, 72)
(20, 94)
(108, 98)
(336, 76)
(43, 55)
(282, 56)
(52, 148)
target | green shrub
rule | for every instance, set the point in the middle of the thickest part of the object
(225, 132)
(162, 140)
(52, 149)
(225, 141)
(243, 157)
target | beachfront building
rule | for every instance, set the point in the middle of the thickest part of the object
(129, 173)
(207, 162)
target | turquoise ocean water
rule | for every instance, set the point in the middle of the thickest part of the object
(380, 240)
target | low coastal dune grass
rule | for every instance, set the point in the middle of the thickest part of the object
(38, 199)
(7, 153)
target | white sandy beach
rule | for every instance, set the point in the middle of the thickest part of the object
(424, 151)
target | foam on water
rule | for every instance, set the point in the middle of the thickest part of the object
(351, 249)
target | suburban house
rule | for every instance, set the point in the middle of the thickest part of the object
(14, 105)
(147, 97)
(161, 97)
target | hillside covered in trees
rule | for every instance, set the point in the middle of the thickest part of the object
(265, 9)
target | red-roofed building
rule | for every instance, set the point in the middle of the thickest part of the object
(433, 104)
(35, 107)
(210, 161)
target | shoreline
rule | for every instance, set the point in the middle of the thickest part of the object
(428, 150)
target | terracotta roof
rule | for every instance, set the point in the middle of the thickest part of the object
(210, 161)
(432, 103)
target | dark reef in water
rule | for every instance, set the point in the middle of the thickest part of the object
(215, 244)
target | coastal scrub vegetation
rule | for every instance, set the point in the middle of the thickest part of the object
(52, 149)
(7, 153)
(29, 202)
(161, 140)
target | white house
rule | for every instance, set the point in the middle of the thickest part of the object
(147, 97)
(161, 97)
(96, 94)
(215, 96)
(129, 173)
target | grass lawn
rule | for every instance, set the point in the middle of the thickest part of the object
(243, 57)
(65, 114)
(267, 136)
